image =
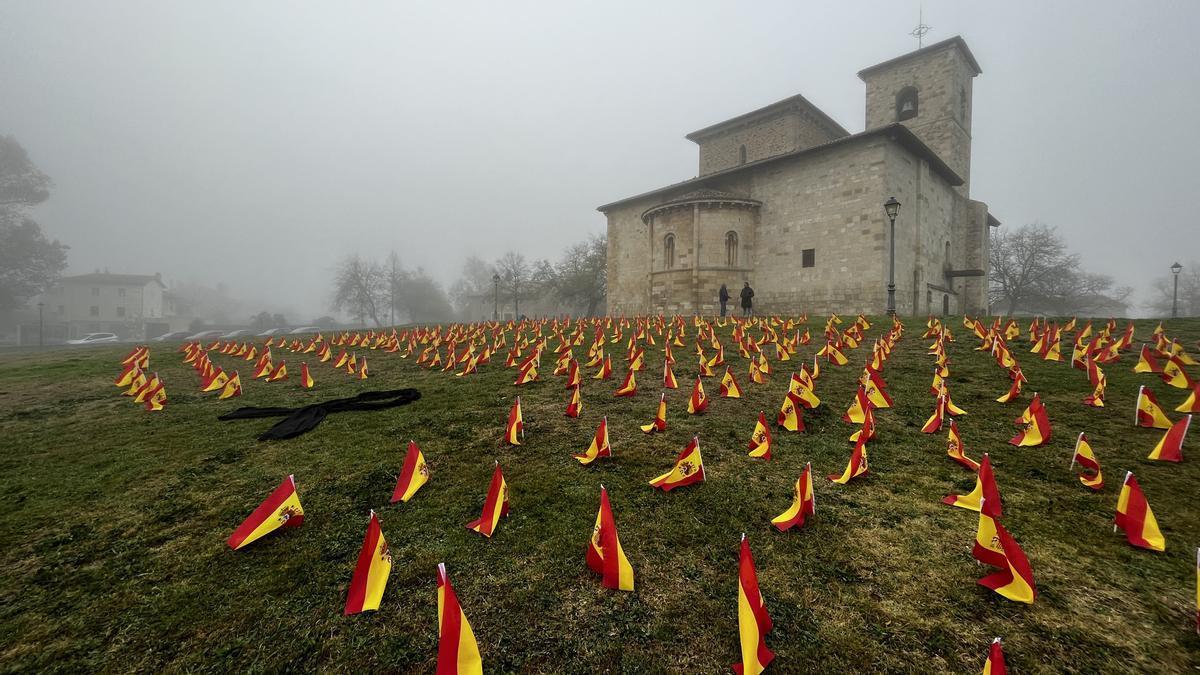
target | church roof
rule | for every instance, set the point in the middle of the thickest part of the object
(897, 133)
(796, 101)
(955, 41)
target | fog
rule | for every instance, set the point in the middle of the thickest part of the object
(255, 144)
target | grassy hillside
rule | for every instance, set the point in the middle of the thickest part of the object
(113, 523)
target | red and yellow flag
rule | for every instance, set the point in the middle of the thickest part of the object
(802, 386)
(629, 387)
(1035, 425)
(856, 413)
(688, 469)
(605, 370)
(697, 402)
(306, 379)
(1192, 403)
(1170, 446)
(280, 509)
(985, 492)
(604, 553)
(279, 373)
(218, 381)
(790, 417)
(371, 572)
(957, 450)
(729, 386)
(1089, 473)
(660, 417)
(1135, 517)
(600, 446)
(669, 381)
(995, 546)
(995, 660)
(753, 621)
(937, 419)
(233, 387)
(514, 429)
(495, 506)
(458, 653)
(1149, 413)
(413, 475)
(803, 503)
(575, 405)
(760, 438)
(857, 466)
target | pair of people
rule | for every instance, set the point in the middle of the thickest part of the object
(747, 299)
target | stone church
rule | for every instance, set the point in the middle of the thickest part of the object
(790, 201)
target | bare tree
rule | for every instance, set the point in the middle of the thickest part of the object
(476, 280)
(395, 283)
(1032, 271)
(360, 289)
(29, 263)
(515, 279)
(581, 277)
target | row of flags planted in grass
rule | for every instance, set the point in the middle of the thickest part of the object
(469, 347)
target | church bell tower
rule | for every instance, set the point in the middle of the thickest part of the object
(928, 91)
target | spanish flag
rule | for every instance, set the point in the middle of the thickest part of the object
(371, 572)
(280, 509)
(876, 388)
(857, 466)
(604, 553)
(605, 371)
(857, 412)
(147, 388)
(573, 377)
(753, 621)
(575, 405)
(697, 402)
(495, 506)
(803, 504)
(688, 469)
(1035, 425)
(937, 419)
(760, 438)
(790, 417)
(629, 387)
(600, 446)
(128, 373)
(985, 492)
(1014, 390)
(1192, 403)
(705, 369)
(1170, 446)
(279, 373)
(458, 653)
(514, 429)
(996, 547)
(218, 381)
(1147, 362)
(957, 450)
(669, 381)
(660, 417)
(232, 388)
(1089, 466)
(306, 379)
(1174, 374)
(1149, 413)
(1135, 517)
(413, 475)
(528, 372)
(995, 660)
(729, 386)
(802, 386)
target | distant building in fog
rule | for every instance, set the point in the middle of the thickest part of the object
(134, 306)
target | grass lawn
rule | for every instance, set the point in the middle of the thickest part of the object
(113, 522)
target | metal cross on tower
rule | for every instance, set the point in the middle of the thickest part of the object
(921, 29)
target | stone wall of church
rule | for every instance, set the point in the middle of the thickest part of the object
(786, 131)
(629, 260)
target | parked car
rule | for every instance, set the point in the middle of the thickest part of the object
(272, 331)
(95, 339)
(205, 335)
(172, 336)
(240, 333)
(304, 329)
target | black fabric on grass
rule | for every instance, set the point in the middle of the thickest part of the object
(301, 420)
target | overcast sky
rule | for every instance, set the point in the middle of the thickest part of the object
(256, 143)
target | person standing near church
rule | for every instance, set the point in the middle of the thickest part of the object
(723, 296)
(747, 300)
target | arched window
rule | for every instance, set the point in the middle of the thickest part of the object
(669, 251)
(742, 155)
(731, 249)
(906, 104)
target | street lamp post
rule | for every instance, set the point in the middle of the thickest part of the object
(1175, 270)
(495, 297)
(891, 207)
(42, 326)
